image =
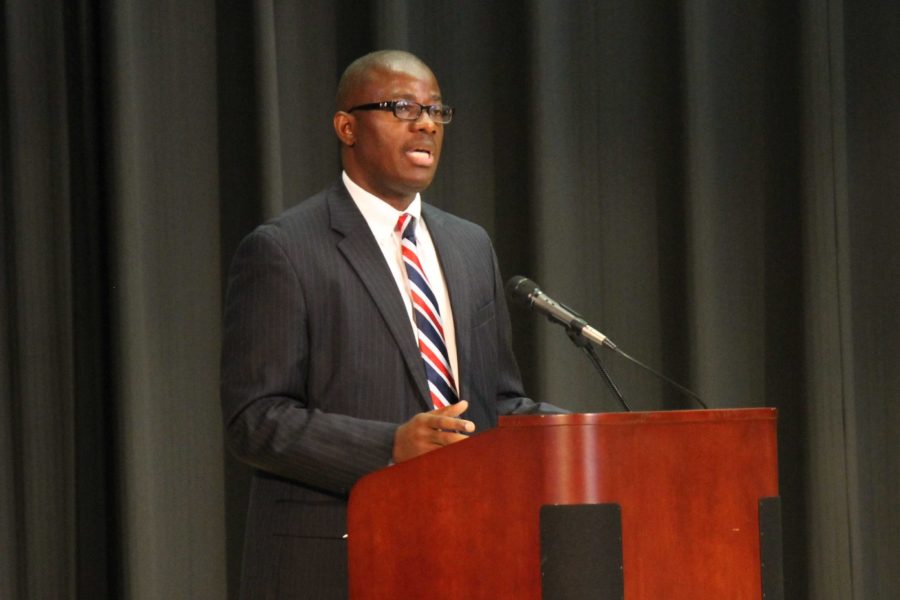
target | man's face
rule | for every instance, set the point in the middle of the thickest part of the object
(389, 157)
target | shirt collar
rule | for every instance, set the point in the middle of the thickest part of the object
(381, 216)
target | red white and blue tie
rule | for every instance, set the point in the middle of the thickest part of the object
(429, 325)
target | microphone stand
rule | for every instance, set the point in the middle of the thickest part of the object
(588, 348)
(582, 335)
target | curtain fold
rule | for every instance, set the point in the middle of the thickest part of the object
(38, 443)
(165, 295)
(713, 186)
(871, 72)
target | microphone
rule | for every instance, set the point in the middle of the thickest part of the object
(526, 291)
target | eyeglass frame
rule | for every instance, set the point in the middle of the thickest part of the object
(392, 105)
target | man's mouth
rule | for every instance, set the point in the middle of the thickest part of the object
(422, 157)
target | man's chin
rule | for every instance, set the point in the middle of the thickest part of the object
(418, 182)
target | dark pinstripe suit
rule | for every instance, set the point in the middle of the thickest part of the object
(320, 365)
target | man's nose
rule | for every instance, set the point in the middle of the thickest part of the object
(426, 123)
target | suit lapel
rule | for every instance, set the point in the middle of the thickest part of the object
(362, 252)
(451, 255)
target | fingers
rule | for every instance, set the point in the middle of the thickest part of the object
(452, 410)
(431, 430)
(445, 418)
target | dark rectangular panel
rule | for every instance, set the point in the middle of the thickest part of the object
(770, 553)
(581, 552)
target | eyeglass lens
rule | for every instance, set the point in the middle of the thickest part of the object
(410, 111)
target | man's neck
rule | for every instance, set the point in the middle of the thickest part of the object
(399, 203)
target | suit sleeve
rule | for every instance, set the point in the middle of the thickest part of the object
(265, 357)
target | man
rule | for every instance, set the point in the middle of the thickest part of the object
(329, 371)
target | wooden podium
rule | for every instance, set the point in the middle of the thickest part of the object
(654, 505)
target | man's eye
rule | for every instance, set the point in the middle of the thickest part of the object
(404, 107)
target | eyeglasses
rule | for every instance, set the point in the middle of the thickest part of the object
(407, 110)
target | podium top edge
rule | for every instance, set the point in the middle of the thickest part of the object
(621, 418)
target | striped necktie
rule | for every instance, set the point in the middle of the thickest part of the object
(429, 326)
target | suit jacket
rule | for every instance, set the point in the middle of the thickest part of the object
(320, 365)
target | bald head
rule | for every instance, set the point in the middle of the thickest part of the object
(361, 71)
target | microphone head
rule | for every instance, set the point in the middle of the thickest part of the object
(521, 288)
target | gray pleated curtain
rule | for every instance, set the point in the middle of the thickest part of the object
(713, 185)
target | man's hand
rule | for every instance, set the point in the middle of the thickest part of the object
(430, 430)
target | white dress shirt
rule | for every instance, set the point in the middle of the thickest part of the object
(382, 220)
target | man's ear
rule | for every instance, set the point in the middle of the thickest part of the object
(344, 127)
